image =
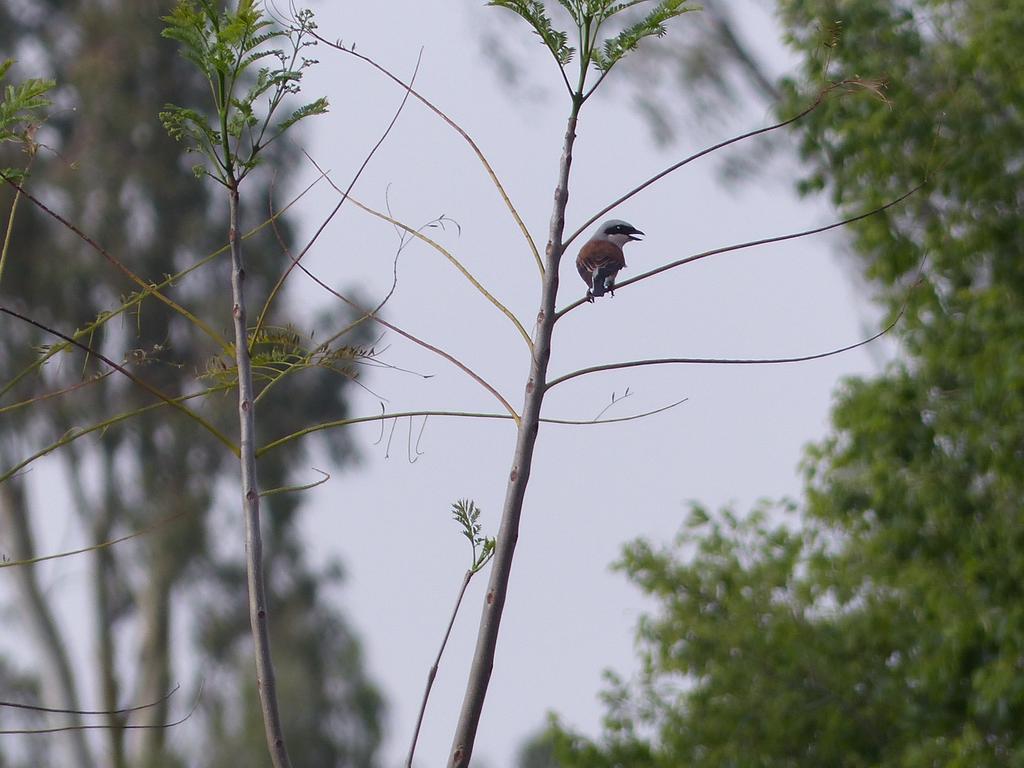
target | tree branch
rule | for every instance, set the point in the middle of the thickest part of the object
(685, 161)
(344, 195)
(258, 608)
(522, 462)
(723, 361)
(750, 244)
(458, 129)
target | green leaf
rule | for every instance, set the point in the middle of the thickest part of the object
(534, 14)
(226, 46)
(651, 25)
(21, 106)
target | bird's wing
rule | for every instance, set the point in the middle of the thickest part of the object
(599, 254)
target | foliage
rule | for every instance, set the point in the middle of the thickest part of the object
(224, 46)
(20, 109)
(589, 16)
(120, 179)
(467, 514)
(885, 630)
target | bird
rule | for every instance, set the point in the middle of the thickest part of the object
(601, 257)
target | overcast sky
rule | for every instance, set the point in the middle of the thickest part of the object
(738, 438)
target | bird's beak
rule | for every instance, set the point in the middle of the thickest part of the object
(633, 235)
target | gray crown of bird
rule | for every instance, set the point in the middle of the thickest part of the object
(601, 257)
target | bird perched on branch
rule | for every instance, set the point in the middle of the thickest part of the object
(601, 257)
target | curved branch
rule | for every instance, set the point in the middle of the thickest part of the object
(458, 129)
(140, 296)
(725, 361)
(751, 244)
(366, 161)
(459, 414)
(56, 393)
(455, 262)
(707, 151)
(103, 727)
(432, 672)
(101, 545)
(67, 711)
(426, 345)
(73, 434)
(147, 287)
(291, 488)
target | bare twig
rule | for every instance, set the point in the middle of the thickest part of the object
(458, 129)
(383, 417)
(432, 673)
(822, 95)
(104, 726)
(101, 545)
(73, 711)
(293, 488)
(416, 340)
(416, 233)
(148, 288)
(344, 195)
(724, 361)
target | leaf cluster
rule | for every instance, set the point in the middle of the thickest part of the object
(467, 514)
(280, 351)
(20, 109)
(589, 16)
(226, 47)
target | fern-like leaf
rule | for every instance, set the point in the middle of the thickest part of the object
(651, 25)
(534, 14)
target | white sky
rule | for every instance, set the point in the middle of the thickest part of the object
(737, 439)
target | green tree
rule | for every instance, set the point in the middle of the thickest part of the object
(883, 627)
(108, 166)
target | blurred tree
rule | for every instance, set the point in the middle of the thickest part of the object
(884, 629)
(108, 166)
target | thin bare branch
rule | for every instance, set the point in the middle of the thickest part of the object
(432, 673)
(75, 433)
(101, 545)
(454, 261)
(383, 417)
(458, 129)
(148, 287)
(140, 296)
(696, 156)
(292, 488)
(56, 393)
(69, 711)
(366, 161)
(416, 340)
(105, 726)
(724, 361)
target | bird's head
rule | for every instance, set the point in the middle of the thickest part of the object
(617, 231)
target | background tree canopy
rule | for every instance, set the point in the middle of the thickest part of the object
(881, 625)
(108, 165)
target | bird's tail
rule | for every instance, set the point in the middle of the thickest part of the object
(603, 282)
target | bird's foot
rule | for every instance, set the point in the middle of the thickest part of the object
(590, 296)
